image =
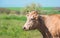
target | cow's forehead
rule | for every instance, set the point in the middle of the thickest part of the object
(33, 13)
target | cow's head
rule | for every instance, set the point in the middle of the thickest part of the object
(32, 21)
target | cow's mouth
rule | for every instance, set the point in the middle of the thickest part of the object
(32, 28)
(26, 29)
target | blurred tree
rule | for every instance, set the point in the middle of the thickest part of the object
(31, 7)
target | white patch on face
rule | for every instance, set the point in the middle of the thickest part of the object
(30, 23)
(31, 17)
(26, 26)
(31, 20)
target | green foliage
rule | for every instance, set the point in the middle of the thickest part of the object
(28, 8)
(15, 8)
(14, 17)
(31, 7)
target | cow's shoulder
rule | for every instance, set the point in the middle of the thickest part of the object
(54, 15)
(51, 17)
(44, 17)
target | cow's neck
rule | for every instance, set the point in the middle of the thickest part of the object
(43, 29)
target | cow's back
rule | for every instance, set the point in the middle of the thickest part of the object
(52, 22)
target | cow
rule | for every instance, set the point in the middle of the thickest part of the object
(48, 25)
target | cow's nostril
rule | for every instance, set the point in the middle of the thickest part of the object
(24, 28)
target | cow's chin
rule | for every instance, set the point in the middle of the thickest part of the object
(26, 29)
(29, 29)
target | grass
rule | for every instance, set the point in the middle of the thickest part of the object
(11, 27)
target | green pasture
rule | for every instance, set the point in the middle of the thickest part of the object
(11, 27)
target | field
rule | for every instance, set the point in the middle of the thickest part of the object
(11, 26)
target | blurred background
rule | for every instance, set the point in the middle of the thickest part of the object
(12, 16)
